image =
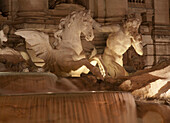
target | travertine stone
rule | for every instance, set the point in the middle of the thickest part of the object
(145, 29)
(65, 9)
(162, 38)
(144, 8)
(162, 57)
(4, 5)
(31, 12)
(36, 14)
(116, 7)
(101, 10)
(151, 83)
(108, 10)
(163, 49)
(2, 19)
(148, 3)
(152, 112)
(152, 117)
(33, 5)
(161, 11)
(146, 39)
(148, 49)
(149, 15)
(149, 60)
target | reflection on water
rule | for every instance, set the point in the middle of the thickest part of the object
(83, 107)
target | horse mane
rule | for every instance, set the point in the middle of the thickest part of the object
(66, 22)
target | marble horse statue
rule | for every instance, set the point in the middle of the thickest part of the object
(68, 54)
(121, 38)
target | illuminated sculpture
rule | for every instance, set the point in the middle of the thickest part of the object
(118, 42)
(3, 37)
(68, 55)
(10, 59)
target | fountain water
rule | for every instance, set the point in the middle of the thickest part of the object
(77, 107)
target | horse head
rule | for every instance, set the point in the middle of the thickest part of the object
(80, 21)
(87, 25)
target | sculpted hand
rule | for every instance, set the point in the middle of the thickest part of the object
(96, 72)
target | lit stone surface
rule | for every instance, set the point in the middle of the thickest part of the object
(161, 11)
(36, 14)
(149, 49)
(155, 84)
(152, 117)
(118, 107)
(163, 49)
(151, 112)
(149, 60)
(147, 39)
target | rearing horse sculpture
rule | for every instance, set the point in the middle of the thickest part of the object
(119, 41)
(68, 55)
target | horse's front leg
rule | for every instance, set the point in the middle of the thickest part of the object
(74, 65)
(101, 65)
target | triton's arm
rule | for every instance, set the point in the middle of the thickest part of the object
(108, 28)
(137, 44)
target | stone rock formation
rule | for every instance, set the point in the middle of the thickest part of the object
(152, 112)
(150, 83)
